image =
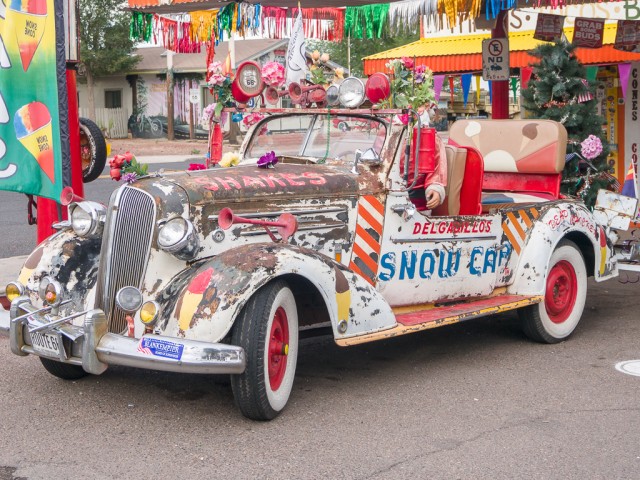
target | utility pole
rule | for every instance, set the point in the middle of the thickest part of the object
(170, 132)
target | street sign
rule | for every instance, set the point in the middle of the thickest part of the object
(194, 95)
(495, 59)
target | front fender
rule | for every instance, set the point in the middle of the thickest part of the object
(208, 298)
(563, 220)
(67, 258)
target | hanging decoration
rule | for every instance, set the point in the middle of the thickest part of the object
(627, 35)
(366, 21)
(588, 33)
(514, 88)
(592, 73)
(141, 26)
(548, 27)
(465, 79)
(525, 76)
(404, 17)
(451, 90)
(315, 25)
(477, 78)
(623, 74)
(438, 81)
(490, 93)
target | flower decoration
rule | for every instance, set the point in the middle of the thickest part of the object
(220, 86)
(197, 166)
(411, 85)
(273, 74)
(320, 72)
(268, 160)
(127, 168)
(591, 147)
(252, 119)
(230, 159)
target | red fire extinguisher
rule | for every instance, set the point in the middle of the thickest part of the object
(426, 155)
(215, 146)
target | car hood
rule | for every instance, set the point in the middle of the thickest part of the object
(250, 183)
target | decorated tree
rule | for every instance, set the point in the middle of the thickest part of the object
(558, 90)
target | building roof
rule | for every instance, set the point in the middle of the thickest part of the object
(463, 53)
(154, 60)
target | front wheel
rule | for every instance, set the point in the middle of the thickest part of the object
(61, 370)
(558, 315)
(267, 330)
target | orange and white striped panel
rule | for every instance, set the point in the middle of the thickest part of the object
(516, 224)
(366, 246)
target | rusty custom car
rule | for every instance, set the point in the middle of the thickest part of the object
(220, 270)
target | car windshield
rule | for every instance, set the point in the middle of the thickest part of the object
(320, 137)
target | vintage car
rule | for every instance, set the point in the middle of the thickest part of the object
(220, 270)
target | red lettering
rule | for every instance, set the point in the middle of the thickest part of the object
(450, 228)
(226, 182)
(317, 179)
(252, 181)
(289, 177)
(442, 227)
(425, 229)
(416, 228)
(272, 180)
(433, 228)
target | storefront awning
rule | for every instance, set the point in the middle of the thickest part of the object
(463, 54)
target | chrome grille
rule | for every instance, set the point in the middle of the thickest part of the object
(125, 251)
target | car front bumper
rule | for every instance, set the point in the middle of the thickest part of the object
(94, 348)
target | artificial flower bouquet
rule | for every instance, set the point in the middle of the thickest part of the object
(411, 85)
(220, 86)
(126, 167)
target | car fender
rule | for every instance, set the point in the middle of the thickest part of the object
(67, 258)
(204, 301)
(563, 220)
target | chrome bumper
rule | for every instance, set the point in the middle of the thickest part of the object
(94, 348)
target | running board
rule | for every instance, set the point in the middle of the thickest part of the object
(446, 315)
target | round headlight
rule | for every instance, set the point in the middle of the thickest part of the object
(42, 287)
(351, 92)
(50, 291)
(14, 290)
(129, 299)
(172, 232)
(332, 95)
(149, 313)
(87, 218)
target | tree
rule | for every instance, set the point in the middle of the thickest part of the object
(360, 48)
(105, 46)
(557, 91)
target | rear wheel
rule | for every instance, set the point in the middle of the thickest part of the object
(61, 370)
(267, 330)
(93, 150)
(554, 319)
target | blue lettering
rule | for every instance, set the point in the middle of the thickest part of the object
(505, 252)
(490, 261)
(388, 262)
(449, 266)
(408, 264)
(427, 256)
(472, 268)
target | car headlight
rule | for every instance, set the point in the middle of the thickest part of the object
(149, 313)
(178, 237)
(87, 218)
(14, 290)
(351, 92)
(129, 299)
(50, 292)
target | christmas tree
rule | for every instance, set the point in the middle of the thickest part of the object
(558, 90)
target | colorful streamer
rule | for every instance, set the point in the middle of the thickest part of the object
(465, 79)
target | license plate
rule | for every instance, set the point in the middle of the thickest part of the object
(46, 344)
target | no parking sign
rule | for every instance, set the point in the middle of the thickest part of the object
(495, 59)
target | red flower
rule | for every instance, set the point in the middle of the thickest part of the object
(116, 173)
(128, 156)
(117, 161)
(407, 62)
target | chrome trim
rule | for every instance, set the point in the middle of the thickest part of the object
(97, 212)
(292, 212)
(441, 239)
(126, 246)
(100, 348)
(262, 231)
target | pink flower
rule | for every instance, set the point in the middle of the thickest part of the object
(404, 118)
(252, 119)
(216, 79)
(407, 63)
(324, 58)
(273, 74)
(420, 69)
(215, 68)
(591, 147)
(197, 166)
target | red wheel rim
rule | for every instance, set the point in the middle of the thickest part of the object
(562, 291)
(278, 348)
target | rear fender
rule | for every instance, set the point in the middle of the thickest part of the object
(565, 220)
(205, 301)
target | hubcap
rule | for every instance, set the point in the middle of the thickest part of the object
(278, 348)
(562, 291)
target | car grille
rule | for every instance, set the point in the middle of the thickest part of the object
(125, 251)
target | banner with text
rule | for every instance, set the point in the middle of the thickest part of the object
(548, 27)
(627, 35)
(588, 33)
(34, 157)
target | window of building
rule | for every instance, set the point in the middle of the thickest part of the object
(113, 98)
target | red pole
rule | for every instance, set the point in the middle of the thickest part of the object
(500, 90)
(48, 209)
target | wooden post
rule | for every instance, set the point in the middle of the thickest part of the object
(170, 131)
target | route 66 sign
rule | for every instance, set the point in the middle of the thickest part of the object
(495, 59)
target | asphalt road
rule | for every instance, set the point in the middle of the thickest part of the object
(474, 400)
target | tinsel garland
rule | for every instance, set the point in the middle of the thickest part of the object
(366, 21)
(274, 22)
(314, 23)
(141, 26)
(404, 17)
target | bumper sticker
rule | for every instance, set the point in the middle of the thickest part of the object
(160, 348)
